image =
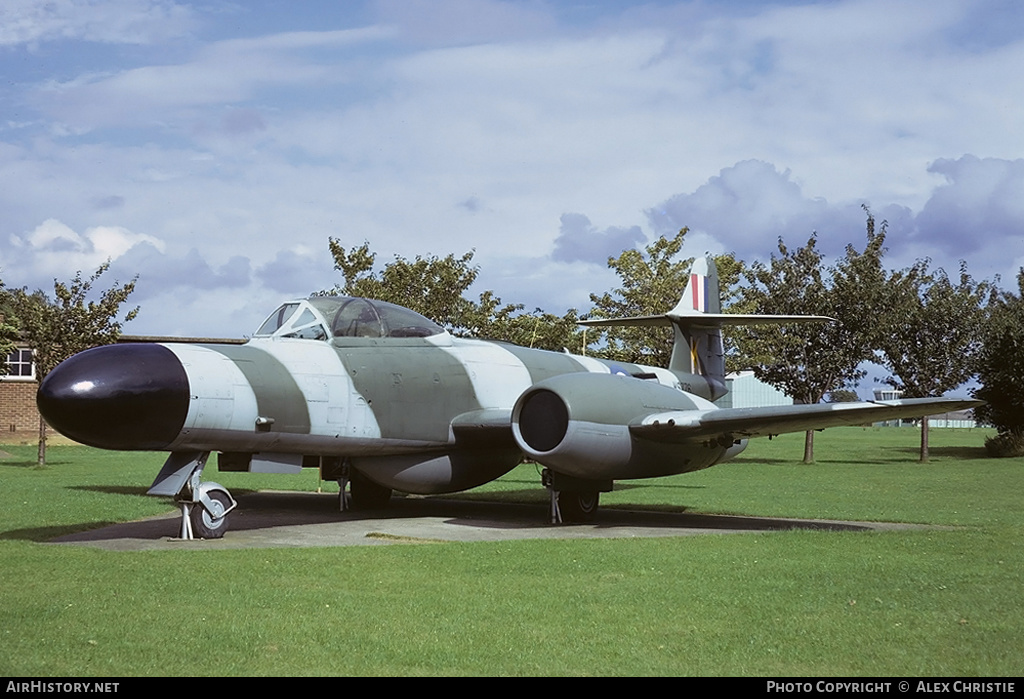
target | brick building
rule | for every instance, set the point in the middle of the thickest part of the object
(18, 412)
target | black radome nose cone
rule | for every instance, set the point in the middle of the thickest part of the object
(131, 397)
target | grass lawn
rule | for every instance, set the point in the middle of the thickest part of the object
(935, 602)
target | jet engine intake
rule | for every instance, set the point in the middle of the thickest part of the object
(578, 425)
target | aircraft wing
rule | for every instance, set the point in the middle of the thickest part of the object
(690, 426)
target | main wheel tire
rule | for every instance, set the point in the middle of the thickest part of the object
(211, 525)
(578, 505)
(366, 494)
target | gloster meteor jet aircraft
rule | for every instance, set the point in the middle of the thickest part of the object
(381, 399)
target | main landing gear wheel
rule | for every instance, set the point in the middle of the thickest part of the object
(578, 505)
(212, 523)
(366, 494)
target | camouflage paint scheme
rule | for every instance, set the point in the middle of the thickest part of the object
(348, 383)
(401, 408)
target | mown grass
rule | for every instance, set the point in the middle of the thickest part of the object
(941, 601)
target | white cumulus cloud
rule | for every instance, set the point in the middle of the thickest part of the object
(54, 249)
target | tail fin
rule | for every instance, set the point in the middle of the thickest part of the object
(702, 294)
(698, 349)
(697, 321)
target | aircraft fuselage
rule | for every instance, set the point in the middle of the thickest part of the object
(387, 404)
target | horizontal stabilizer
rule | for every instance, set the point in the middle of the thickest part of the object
(690, 426)
(697, 321)
(700, 307)
(704, 320)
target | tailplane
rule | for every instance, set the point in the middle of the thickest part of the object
(697, 322)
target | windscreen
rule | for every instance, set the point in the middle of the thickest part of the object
(356, 317)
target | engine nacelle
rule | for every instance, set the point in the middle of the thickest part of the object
(431, 474)
(578, 424)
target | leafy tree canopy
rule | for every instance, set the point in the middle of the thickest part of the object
(436, 288)
(69, 323)
(843, 395)
(431, 286)
(932, 333)
(1001, 364)
(808, 363)
(8, 328)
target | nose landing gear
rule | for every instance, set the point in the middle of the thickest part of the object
(204, 506)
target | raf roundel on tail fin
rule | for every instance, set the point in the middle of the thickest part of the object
(702, 293)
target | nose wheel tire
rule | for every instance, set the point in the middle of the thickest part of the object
(212, 523)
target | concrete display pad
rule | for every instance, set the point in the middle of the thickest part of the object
(291, 519)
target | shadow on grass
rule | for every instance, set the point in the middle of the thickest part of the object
(32, 463)
(541, 497)
(747, 461)
(535, 484)
(969, 453)
(111, 489)
(858, 462)
(521, 481)
(41, 534)
(668, 486)
(139, 490)
(820, 461)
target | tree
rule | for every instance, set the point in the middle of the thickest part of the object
(431, 286)
(435, 287)
(69, 324)
(538, 329)
(8, 328)
(930, 334)
(843, 395)
(809, 364)
(1001, 372)
(652, 282)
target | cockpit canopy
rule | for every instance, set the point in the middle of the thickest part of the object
(323, 317)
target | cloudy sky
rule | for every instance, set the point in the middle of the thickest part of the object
(213, 147)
